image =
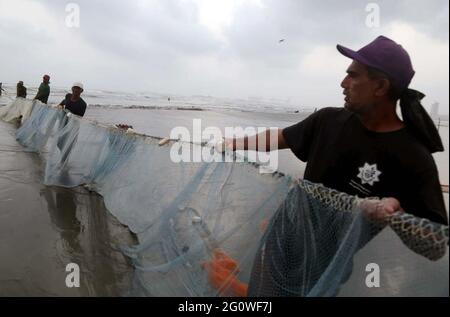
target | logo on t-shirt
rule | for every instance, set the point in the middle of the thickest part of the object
(369, 174)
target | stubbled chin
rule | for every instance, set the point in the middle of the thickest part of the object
(348, 107)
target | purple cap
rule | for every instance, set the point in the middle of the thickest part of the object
(387, 56)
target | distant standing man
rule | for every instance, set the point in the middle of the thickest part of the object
(44, 90)
(73, 102)
(21, 90)
(1, 89)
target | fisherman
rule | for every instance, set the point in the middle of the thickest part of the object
(363, 149)
(73, 102)
(21, 90)
(1, 89)
(44, 90)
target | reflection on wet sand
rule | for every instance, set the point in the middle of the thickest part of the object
(42, 229)
(91, 238)
(62, 210)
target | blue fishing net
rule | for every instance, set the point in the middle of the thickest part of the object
(224, 229)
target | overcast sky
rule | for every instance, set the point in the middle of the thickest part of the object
(224, 48)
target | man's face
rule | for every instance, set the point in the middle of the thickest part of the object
(359, 89)
(76, 91)
(46, 80)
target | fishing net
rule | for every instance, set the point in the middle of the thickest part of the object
(18, 110)
(224, 229)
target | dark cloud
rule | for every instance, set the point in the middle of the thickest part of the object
(162, 44)
(136, 31)
(306, 24)
(170, 28)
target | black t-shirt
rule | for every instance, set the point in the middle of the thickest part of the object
(342, 154)
(76, 107)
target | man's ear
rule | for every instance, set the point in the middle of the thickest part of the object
(383, 87)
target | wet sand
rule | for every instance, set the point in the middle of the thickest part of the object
(42, 229)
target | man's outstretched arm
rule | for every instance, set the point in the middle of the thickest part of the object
(266, 141)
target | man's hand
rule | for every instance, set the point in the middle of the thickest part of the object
(124, 126)
(60, 107)
(379, 211)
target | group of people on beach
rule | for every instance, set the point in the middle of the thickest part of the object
(21, 90)
(72, 101)
(363, 149)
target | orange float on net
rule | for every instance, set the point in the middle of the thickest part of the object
(222, 270)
